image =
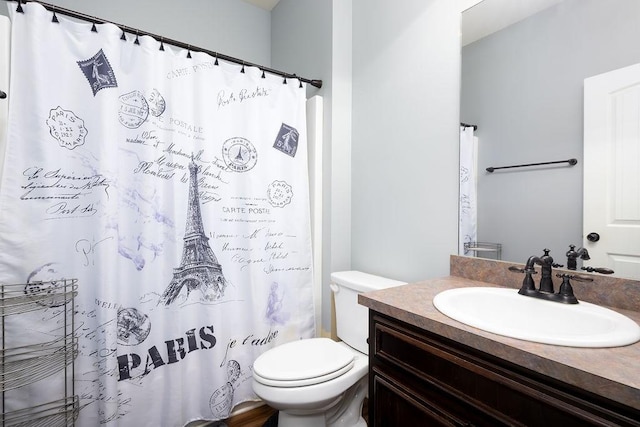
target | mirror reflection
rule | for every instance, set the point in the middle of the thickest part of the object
(523, 86)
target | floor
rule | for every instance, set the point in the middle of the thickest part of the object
(264, 416)
(258, 417)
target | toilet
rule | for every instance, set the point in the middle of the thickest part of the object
(318, 382)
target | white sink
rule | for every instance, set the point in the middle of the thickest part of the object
(503, 311)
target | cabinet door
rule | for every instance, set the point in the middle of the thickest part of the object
(395, 407)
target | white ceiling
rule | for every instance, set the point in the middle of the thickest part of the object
(490, 16)
(480, 17)
(264, 4)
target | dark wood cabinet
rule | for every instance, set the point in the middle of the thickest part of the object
(418, 378)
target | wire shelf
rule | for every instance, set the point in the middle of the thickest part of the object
(30, 360)
(483, 249)
(58, 413)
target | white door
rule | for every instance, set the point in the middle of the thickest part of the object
(612, 170)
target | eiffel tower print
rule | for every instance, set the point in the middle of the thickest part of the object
(199, 270)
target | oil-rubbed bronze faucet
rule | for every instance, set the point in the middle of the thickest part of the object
(545, 290)
(573, 254)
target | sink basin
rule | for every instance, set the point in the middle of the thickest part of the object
(503, 311)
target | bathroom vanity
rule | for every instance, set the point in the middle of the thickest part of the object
(428, 369)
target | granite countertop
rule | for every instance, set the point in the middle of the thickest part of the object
(609, 372)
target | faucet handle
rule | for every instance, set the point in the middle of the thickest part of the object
(565, 293)
(577, 277)
(527, 282)
(516, 269)
(598, 270)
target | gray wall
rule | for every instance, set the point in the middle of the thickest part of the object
(230, 27)
(523, 87)
(406, 59)
(391, 91)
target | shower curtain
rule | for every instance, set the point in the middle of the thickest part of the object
(175, 189)
(468, 189)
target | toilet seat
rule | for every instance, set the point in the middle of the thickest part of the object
(302, 363)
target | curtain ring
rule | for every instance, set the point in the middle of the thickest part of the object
(295, 76)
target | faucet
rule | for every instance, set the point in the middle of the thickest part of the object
(546, 263)
(572, 255)
(545, 289)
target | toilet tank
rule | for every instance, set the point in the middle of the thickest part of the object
(352, 319)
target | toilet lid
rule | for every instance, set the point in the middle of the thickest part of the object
(303, 362)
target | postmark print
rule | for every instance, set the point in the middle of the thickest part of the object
(156, 102)
(287, 140)
(279, 194)
(66, 128)
(239, 154)
(133, 110)
(98, 72)
(46, 294)
(221, 400)
(47, 287)
(133, 326)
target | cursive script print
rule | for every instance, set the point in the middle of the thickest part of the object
(227, 98)
(88, 249)
(270, 249)
(70, 194)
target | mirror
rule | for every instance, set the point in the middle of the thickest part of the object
(522, 85)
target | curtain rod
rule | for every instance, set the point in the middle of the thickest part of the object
(475, 127)
(138, 32)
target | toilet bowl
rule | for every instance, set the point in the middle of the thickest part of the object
(319, 382)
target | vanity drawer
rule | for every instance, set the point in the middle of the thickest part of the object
(472, 387)
(400, 400)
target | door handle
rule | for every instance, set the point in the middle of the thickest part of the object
(593, 237)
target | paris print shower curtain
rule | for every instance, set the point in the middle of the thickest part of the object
(468, 209)
(174, 188)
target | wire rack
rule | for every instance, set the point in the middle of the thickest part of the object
(483, 249)
(39, 359)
